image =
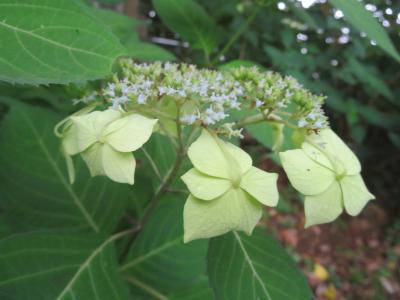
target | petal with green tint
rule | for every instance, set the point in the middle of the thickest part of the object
(305, 175)
(313, 152)
(355, 194)
(93, 159)
(234, 210)
(129, 133)
(69, 140)
(203, 186)
(241, 157)
(89, 128)
(118, 166)
(324, 207)
(261, 185)
(329, 142)
(214, 157)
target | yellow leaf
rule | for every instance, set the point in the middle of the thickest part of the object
(330, 292)
(320, 272)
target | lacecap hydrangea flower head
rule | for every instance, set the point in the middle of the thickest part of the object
(226, 191)
(106, 139)
(327, 172)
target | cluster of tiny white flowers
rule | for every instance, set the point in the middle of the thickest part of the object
(211, 94)
(125, 90)
(214, 92)
(315, 119)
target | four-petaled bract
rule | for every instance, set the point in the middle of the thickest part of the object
(106, 139)
(226, 191)
(327, 172)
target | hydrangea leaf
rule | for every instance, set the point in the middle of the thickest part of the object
(211, 156)
(93, 159)
(234, 210)
(90, 127)
(261, 185)
(129, 133)
(119, 166)
(355, 194)
(306, 175)
(324, 207)
(203, 186)
(330, 143)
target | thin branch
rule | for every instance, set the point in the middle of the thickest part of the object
(237, 34)
(163, 188)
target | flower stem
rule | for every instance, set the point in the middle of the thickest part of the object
(271, 118)
(237, 34)
(164, 186)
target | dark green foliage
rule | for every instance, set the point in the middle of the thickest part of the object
(253, 267)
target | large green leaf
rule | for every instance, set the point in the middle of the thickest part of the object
(360, 18)
(159, 262)
(61, 266)
(199, 291)
(190, 21)
(35, 192)
(53, 41)
(121, 25)
(253, 267)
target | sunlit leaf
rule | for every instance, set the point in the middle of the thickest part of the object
(55, 41)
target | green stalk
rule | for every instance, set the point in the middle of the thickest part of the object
(237, 34)
(255, 119)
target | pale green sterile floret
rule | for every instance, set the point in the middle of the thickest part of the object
(226, 191)
(327, 172)
(106, 139)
